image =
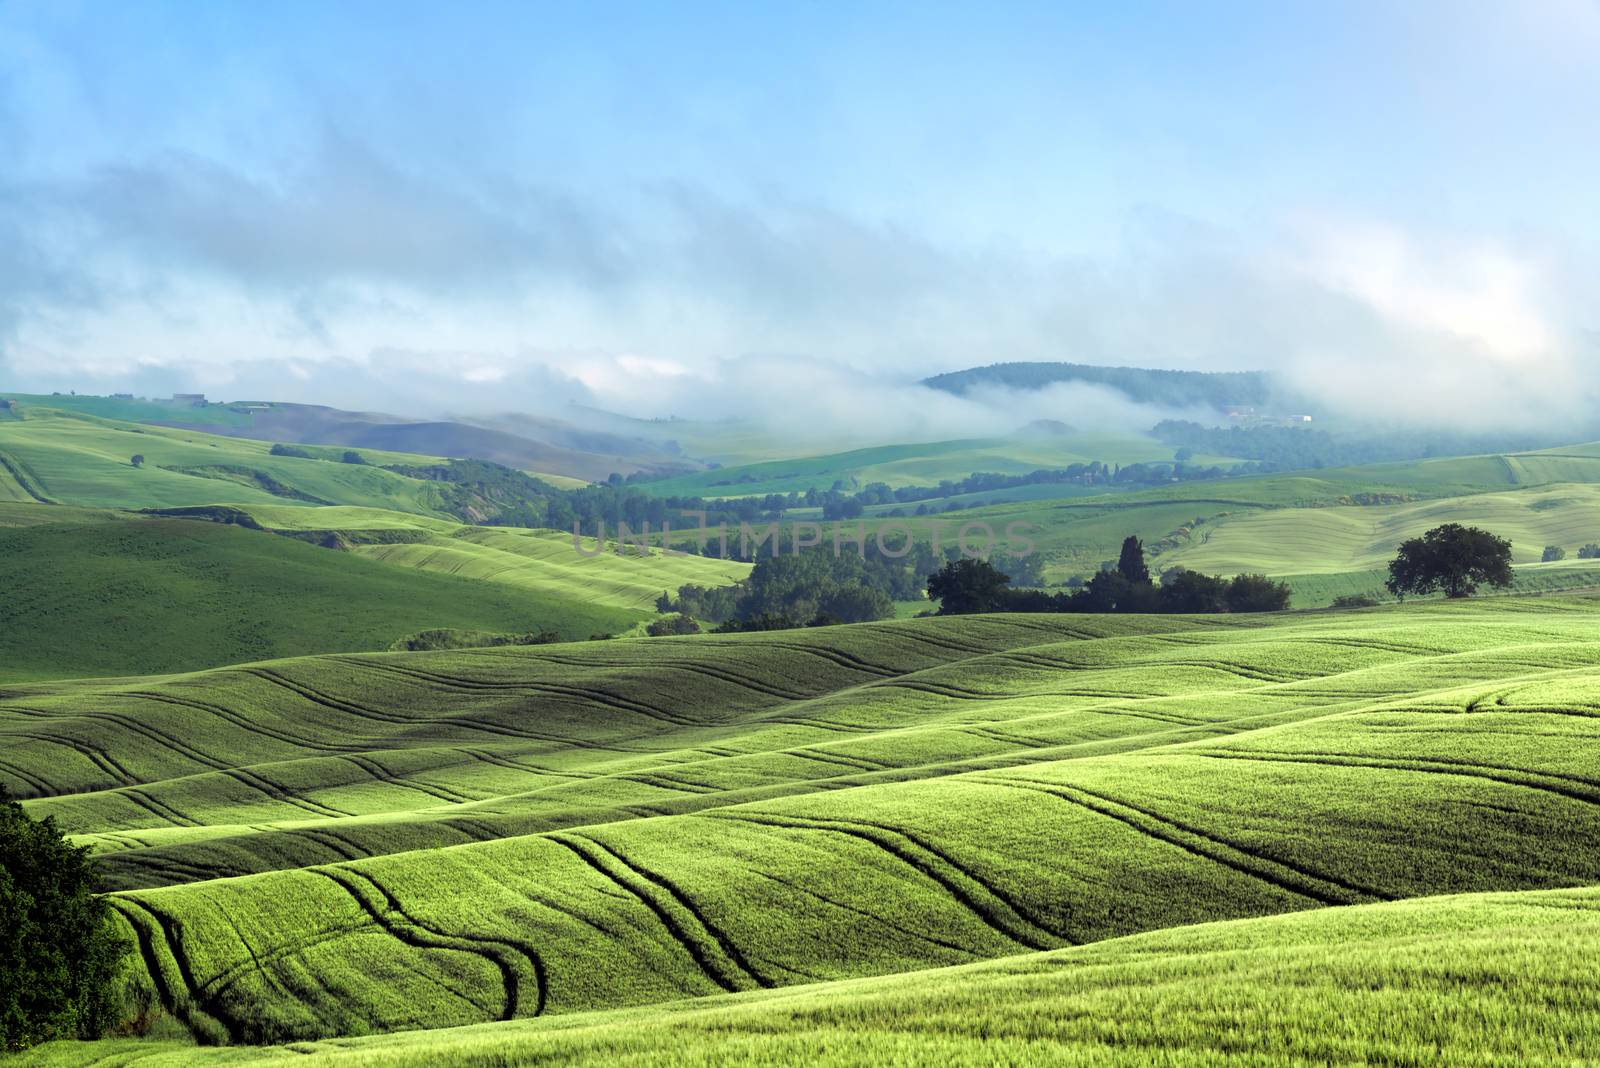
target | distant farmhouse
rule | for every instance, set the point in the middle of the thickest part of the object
(1249, 417)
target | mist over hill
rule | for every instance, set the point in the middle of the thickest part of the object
(1220, 390)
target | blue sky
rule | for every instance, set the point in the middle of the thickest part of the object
(650, 205)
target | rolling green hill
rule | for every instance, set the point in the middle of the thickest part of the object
(924, 464)
(541, 561)
(91, 595)
(346, 844)
(1367, 984)
(76, 459)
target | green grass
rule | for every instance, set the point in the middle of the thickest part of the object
(342, 845)
(76, 459)
(95, 593)
(918, 464)
(136, 411)
(1304, 540)
(543, 562)
(1396, 983)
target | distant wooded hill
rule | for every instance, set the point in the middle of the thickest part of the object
(1218, 389)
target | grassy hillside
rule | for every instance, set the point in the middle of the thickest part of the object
(78, 459)
(92, 594)
(540, 561)
(536, 444)
(1305, 540)
(1318, 589)
(1362, 985)
(923, 464)
(338, 845)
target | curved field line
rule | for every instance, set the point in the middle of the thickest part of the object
(383, 774)
(158, 808)
(25, 478)
(864, 914)
(156, 735)
(600, 697)
(1016, 926)
(239, 720)
(173, 943)
(99, 757)
(41, 787)
(723, 974)
(422, 936)
(729, 948)
(260, 783)
(834, 656)
(1163, 831)
(328, 701)
(1509, 776)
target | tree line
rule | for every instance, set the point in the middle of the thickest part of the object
(976, 585)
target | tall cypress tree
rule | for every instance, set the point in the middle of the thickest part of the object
(1131, 563)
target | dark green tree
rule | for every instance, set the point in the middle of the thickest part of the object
(60, 954)
(1552, 553)
(969, 585)
(137, 460)
(855, 604)
(1452, 558)
(1256, 593)
(1191, 591)
(678, 624)
(1131, 565)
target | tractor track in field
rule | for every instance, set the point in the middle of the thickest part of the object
(166, 870)
(1201, 843)
(845, 906)
(511, 764)
(239, 720)
(833, 655)
(156, 735)
(160, 809)
(663, 782)
(596, 696)
(39, 786)
(1000, 913)
(728, 946)
(413, 932)
(24, 477)
(98, 757)
(1509, 776)
(495, 729)
(282, 794)
(372, 767)
(710, 951)
(144, 942)
(329, 701)
(172, 938)
(943, 644)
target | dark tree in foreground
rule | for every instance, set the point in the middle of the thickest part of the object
(1452, 558)
(968, 585)
(60, 955)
